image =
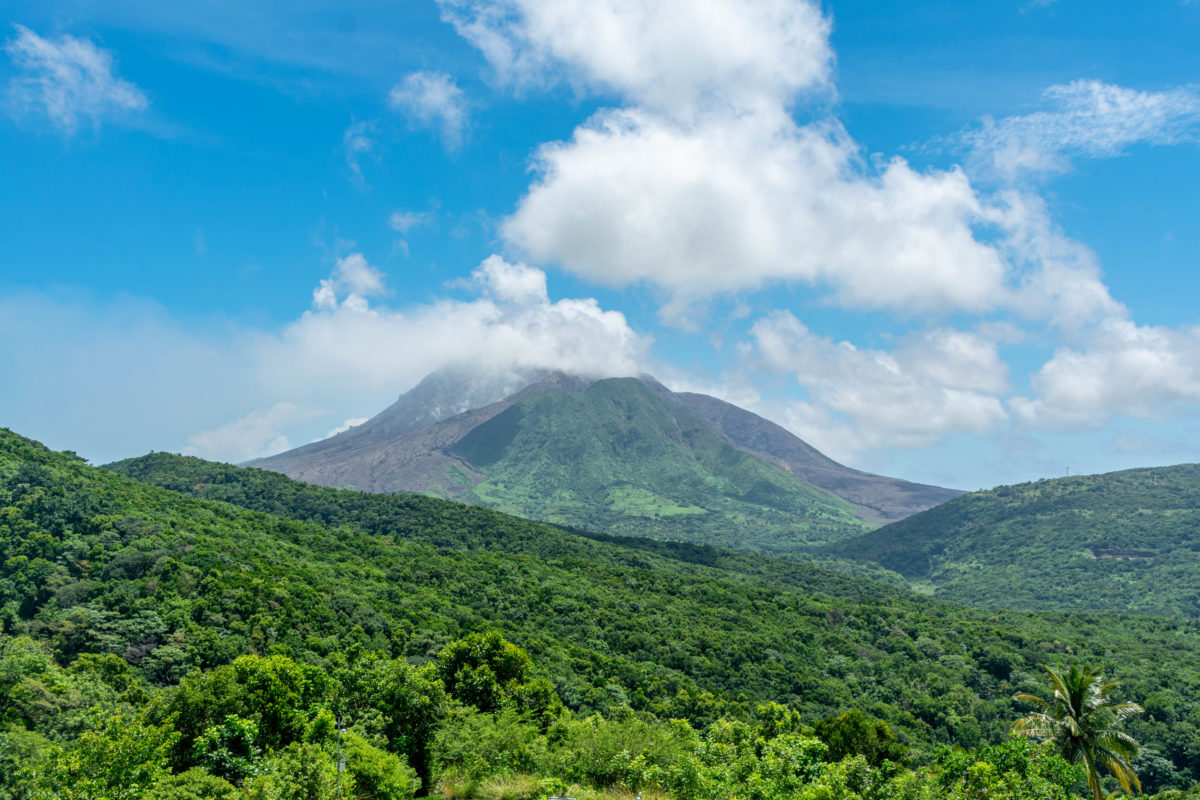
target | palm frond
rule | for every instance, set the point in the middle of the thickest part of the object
(1081, 720)
(1032, 699)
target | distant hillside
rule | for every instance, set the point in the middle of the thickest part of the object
(1122, 542)
(626, 456)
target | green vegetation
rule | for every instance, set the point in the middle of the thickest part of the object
(163, 645)
(1125, 542)
(620, 459)
(1081, 720)
(452, 525)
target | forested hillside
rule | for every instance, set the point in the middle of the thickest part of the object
(620, 459)
(1122, 542)
(198, 639)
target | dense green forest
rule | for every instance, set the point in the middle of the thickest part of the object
(1125, 542)
(161, 645)
(407, 516)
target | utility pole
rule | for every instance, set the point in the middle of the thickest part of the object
(341, 765)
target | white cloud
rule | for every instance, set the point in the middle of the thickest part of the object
(511, 283)
(1106, 364)
(433, 99)
(1056, 277)
(353, 422)
(1085, 118)
(357, 142)
(404, 221)
(114, 379)
(704, 183)
(934, 384)
(68, 79)
(353, 280)
(259, 433)
(344, 347)
(1140, 371)
(670, 55)
(733, 202)
(954, 359)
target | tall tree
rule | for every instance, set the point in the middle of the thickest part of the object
(1081, 719)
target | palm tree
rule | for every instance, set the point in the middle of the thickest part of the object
(1081, 720)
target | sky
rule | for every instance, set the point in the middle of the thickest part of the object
(951, 242)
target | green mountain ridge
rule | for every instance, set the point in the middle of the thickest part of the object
(1125, 541)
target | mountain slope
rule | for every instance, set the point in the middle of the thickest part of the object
(444, 524)
(1122, 542)
(401, 448)
(620, 459)
(636, 459)
(879, 498)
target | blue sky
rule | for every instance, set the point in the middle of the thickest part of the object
(953, 242)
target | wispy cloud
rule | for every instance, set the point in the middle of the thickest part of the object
(66, 79)
(353, 422)
(163, 383)
(259, 433)
(352, 282)
(433, 100)
(404, 221)
(357, 142)
(1085, 118)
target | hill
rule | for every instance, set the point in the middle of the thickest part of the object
(907, 659)
(618, 455)
(450, 525)
(93, 562)
(1122, 542)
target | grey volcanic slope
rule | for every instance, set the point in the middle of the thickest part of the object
(439, 396)
(395, 452)
(410, 446)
